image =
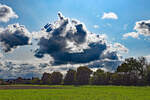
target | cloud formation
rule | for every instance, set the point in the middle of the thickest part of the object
(68, 41)
(109, 15)
(131, 34)
(13, 36)
(10, 70)
(6, 13)
(121, 48)
(141, 28)
(67, 44)
(147, 57)
(1, 55)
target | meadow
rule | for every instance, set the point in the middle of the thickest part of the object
(78, 93)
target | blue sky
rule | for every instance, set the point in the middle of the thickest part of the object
(35, 14)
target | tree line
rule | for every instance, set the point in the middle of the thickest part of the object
(131, 72)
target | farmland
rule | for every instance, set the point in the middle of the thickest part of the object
(74, 93)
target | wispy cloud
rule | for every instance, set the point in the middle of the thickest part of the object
(131, 34)
(96, 26)
(125, 26)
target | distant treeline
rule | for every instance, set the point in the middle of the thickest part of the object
(131, 72)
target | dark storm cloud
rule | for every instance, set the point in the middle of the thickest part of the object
(68, 41)
(6, 13)
(12, 36)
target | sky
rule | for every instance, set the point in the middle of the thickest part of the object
(124, 25)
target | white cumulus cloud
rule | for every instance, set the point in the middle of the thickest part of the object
(110, 15)
(121, 48)
(14, 35)
(6, 13)
(141, 28)
(61, 45)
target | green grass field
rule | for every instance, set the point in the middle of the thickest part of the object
(79, 93)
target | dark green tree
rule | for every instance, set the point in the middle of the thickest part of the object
(100, 77)
(116, 79)
(56, 78)
(46, 78)
(35, 80)
(147, 75)
(132, 65)
(19, 80)
(142, 67)
(83, 75)
(1, 81)
(70, 77)
(132, 70)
